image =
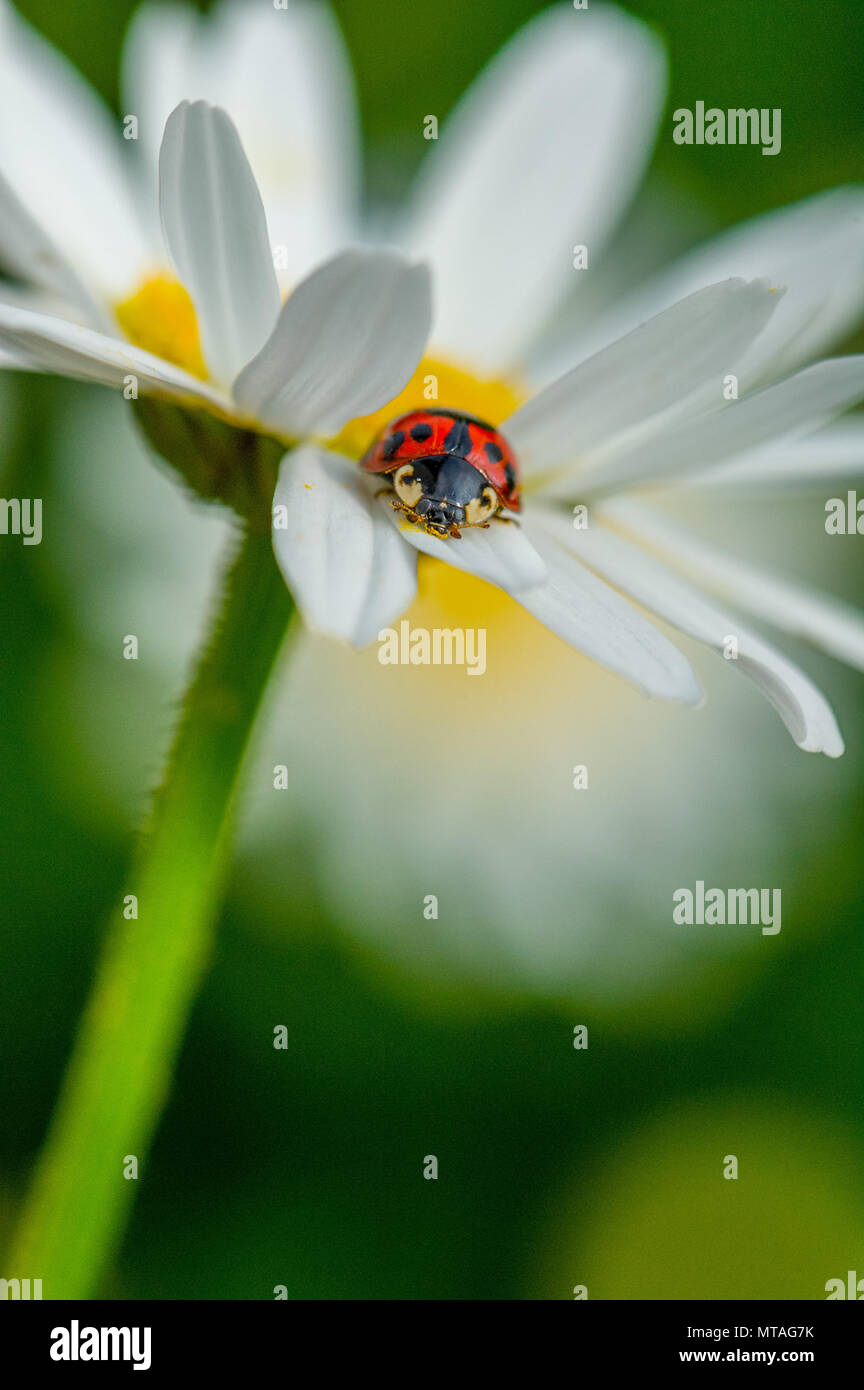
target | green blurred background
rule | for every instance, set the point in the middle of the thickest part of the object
(557, 1167)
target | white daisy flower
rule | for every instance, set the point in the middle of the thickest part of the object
(78, 192)
(78, 212)
(540, 707)
(647, 407)
(229, 344)
(560, 97)
(641, 410)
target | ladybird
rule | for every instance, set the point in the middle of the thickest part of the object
(446, 470)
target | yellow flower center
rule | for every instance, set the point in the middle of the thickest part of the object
(160, 317)
(448, 597)
(531, 674)
(436, 385)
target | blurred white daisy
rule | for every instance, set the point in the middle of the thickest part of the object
(351, 335)
(546, 137)
(547, 140)
(78, 201)
(537, 882)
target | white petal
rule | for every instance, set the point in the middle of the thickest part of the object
(815, 248)
(542, 153)
(62, 154)
(216, 231)
(346, 342)
(349, 572)
(14, 358)
(589, 615)
(832, 457)
(657, 366)
(28, 253)
(802, 707)
(827, 622)
(794, 406)
(163, 55)
(16, 362)
(502, 554)
(57, 345)
(284, 78)
(37, 302)
(161, 65)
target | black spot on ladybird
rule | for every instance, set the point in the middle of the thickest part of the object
(458, 439)
(494, 451)
(394, 443)
(510, 475)
(419, 433)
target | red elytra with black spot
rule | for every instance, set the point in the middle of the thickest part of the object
(428, 433)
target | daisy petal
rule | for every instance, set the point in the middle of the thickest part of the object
(60, 152)
(815, 248)
(692, 345)
(501, 554)
(348, 570)
(802, 707)
(284, 77)
(798, 404)
(827, 622)
(161, 67)
(346, 342)
(216, 231)
(162, 60)
(542, 153)
(57, 345)
(591, 617)
(828, 458)
(28, 253)
(36, 302)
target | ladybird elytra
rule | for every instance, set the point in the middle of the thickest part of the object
(447, 470)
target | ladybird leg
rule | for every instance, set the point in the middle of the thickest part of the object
(396, 504)
(409, 515)
(505, 520)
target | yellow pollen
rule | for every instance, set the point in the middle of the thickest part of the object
(160, 317)
(437, 386)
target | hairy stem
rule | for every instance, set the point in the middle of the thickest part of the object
(131, 1031)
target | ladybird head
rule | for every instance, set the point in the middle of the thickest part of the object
(443, 491)
(447, 469)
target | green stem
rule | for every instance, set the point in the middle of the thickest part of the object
(121, 1067)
